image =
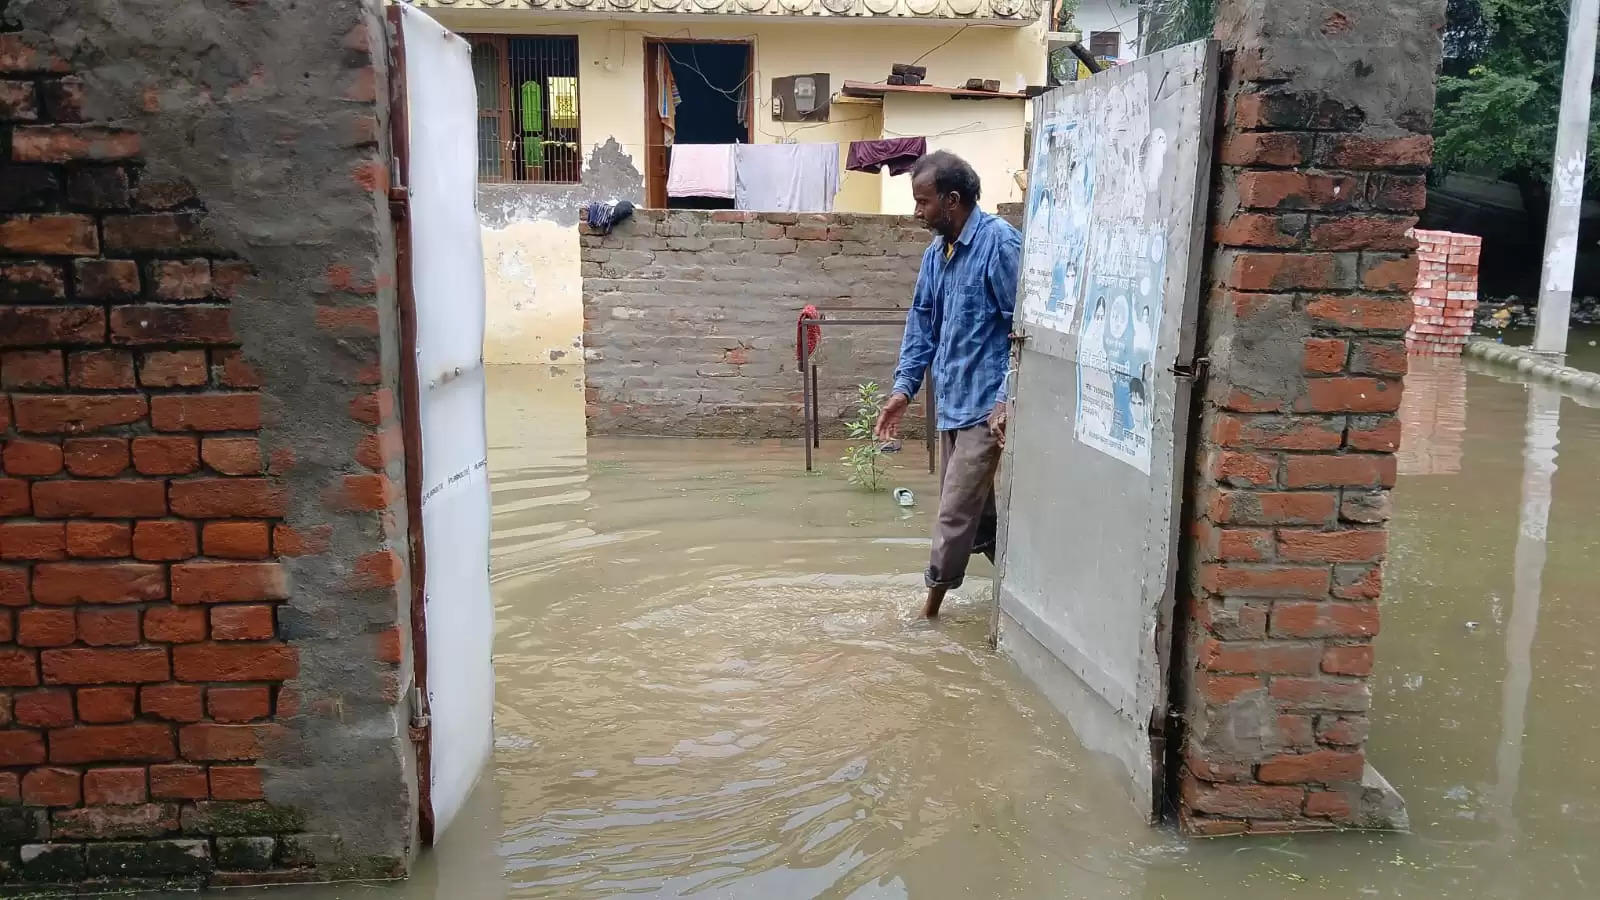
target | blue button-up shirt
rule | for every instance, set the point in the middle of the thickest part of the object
(960, 321)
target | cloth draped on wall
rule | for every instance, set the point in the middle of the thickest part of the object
(701, 170)
(899, 154)
(786, 177)
(667, 96)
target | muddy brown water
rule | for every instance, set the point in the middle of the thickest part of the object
(711, 683)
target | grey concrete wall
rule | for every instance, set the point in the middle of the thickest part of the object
(689, 318)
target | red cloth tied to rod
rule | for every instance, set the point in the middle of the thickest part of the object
(810, 334)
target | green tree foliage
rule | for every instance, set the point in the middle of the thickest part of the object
(1500, 94)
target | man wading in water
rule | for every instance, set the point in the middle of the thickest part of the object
(960, 323)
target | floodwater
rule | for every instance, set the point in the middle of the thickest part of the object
(712, 684)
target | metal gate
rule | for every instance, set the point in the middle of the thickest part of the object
(1094, 463)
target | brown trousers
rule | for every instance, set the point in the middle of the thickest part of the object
(967, 517)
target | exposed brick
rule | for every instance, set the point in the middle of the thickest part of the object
(1350, 394)
(101, 370)
(106, 279)
(1295, 731)
(46, 627)
(173, 702)
(241, 623)
(1366, 507)
(1317, 767)
(237, 540)
(216, 582)
(1237, 469)
(1255, 271)
(222, 498)
(1364, 233)
(1271, 508)
(390, 646)
(232, 456)
(1380, 272)
(178, 782)
(32, 369)
(1355, 659)
(234, 705)
(180, 279)
(1258, 657)
(235, 370)
(106, 705)
(96, 457)
(175, 625)
(1351, 151)
(114, 787)
(164, 540)
(375, 408)
(236, 783)
(99, 540)
(206, 741)
(291, 542)
(138, 742)
(366, 493)
(142, 326)
(172, 368)
(1374, 433)
(33, 458)
(32, 540)
(1329, 804)
(1272, 432)
(206, 412)
(21, 748)
(379, 449)
(1244, 544)
(1362, 313)
(1298, 190)
(14, 586)
(163, 194)
(1322, 693)
(100, 823)
(76, 413)
(1357, 582)
(51, 787)
(1325, 356)
(1397, 193)
(61, 584)
(1226, 688)
(349, 321)
(1367, 545)
(1265, 581)
(1243, 800)
(1379, 358)
(108, 627)
(1254, 149)
(63, 98)
(18, 101)
(116, 666)
(1342, 730)
(1321, 620)
(98, 188)
(234, 662)
(18, 668)
(166, 455)
(173, 234)
(1261, 230)
(1341, 470)
(72, 143)
(33, 326)
(29, 282)
(44, 709)
(48, 235)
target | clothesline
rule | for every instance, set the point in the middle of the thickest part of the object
(632, 144)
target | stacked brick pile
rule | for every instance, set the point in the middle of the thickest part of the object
(1320, 175)
(1446, 295)
(157, 539)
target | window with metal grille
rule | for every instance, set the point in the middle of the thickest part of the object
(527, 107)
(1105, 44)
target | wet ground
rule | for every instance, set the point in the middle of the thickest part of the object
(712, 684)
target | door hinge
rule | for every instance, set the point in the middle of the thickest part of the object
(420, 719)
(1196, 369)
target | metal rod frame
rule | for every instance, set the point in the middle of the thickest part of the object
(810, 402)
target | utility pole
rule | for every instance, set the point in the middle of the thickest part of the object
(1566, 181)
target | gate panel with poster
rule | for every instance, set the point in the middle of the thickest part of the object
(440, 263)
(1096, 454)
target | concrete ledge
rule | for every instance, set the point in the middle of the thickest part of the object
(1532, 364)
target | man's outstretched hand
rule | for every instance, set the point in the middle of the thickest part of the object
(888, 427)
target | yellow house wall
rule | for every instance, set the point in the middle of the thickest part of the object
(531, 253)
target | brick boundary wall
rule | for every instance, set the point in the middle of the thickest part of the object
(1319, 173)
(1446, 295)
(201, 628)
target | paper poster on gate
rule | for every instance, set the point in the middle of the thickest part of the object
(1119, 315)
(1060, 202)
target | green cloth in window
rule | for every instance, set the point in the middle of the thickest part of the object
(532, 125)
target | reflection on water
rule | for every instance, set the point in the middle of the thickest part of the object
(712, 684)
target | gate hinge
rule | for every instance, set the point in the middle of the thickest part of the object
(1196, 369)
(420, 719)
(399, 202)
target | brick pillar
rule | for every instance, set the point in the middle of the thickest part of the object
(201, 618)
(1323, 143)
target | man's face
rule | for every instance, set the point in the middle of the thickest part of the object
(933, 210)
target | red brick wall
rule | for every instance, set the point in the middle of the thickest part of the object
(147, 678)
(1320, 173)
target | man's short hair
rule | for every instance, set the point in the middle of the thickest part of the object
(950, 173)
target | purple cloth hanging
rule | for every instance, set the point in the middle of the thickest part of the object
(896, 153)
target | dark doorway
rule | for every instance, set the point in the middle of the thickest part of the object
(714, 106)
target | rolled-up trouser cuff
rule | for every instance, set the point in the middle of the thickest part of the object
(932, 581)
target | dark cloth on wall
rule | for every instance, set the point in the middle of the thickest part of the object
(896, 153)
